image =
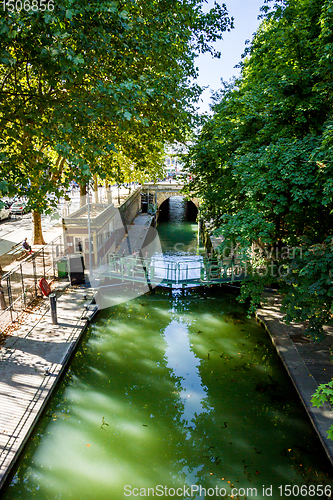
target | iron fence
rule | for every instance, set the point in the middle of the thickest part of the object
(20, 286)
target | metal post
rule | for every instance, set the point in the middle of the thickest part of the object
(144, 265)
(23, 291)
(35, 274)
(10, 297)
(43, 262)
(53, 307)
(53, 259)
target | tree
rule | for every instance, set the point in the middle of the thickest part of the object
(66, 71)
(262, 164)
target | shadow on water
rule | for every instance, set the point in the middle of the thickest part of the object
(169, 390)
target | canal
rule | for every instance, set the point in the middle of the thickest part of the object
(174, 394)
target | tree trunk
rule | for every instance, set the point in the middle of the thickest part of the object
(108, 192)
(83, 195)
(96, 188)
(37, 232)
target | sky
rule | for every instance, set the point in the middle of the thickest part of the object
(245, 13)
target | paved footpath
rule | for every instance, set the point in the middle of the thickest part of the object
(136, 235)
(308, 364)
(31, 361)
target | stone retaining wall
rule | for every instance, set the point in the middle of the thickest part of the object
(130, 208)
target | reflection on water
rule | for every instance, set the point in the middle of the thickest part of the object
(184, 365)
(171, 390)
(181, 258)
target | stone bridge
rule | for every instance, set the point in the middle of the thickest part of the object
(162, 191)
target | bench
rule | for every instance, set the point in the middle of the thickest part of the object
(16, 249)
(15, 253)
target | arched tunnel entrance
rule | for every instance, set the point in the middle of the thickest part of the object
(177, 226)
(177, 209)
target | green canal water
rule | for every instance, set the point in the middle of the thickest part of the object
(172, 391)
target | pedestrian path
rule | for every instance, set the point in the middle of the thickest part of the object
(308, 363)
(136, 235)
(31, 362)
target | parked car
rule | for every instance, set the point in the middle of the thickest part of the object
(5, 212)
(8, 201)
(19, 208)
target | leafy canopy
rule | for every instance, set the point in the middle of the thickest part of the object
(262, 165)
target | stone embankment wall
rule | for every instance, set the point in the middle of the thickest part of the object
(130, 208)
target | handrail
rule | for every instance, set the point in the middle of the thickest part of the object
(166, 271)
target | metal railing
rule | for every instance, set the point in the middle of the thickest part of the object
(19, 287)
(179, 271)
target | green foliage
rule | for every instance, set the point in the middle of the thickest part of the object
(324, 394)
(262, 165)
(263, 169)
(309, 294)
(92, 79)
